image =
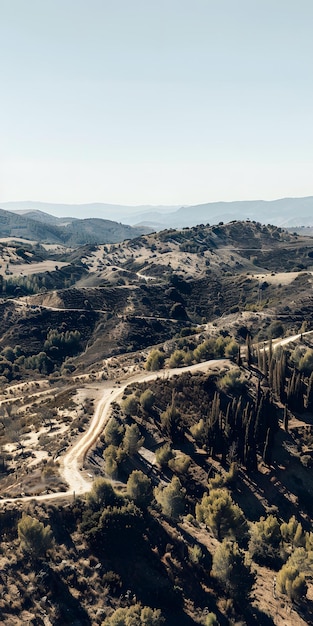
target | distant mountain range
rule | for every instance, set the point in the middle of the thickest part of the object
(286, 212)
(40, 226)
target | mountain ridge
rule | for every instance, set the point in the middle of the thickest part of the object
(285, 212)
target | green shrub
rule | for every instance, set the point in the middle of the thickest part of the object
(155, 360)
(136, 615)
(130, 405)
(232, 382)
(147, 400)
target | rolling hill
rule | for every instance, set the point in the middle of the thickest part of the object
(39, 226)
(229, 417)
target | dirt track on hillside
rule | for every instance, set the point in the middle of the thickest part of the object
(71, 464)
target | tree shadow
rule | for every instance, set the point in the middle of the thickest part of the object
(255, 617)
(68, 609)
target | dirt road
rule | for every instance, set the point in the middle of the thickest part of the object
(71, 464)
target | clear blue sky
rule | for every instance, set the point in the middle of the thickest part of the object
(155, 101)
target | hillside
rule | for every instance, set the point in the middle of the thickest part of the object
(146, 288)
(43, 227)
(156, 417)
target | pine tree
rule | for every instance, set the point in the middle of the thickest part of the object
(230, 568)
(35, 538)
(219, 513)
(292, 533)
(291, 583)
(132, 440)
(171, 498)
(265, 538)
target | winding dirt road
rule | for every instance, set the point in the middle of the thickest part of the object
(71, 464)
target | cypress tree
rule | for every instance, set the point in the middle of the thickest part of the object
(286, 419)
(308, 401)
(248, 345)
(267, 448)
(264, 362)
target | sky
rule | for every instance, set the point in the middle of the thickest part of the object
(155, 101)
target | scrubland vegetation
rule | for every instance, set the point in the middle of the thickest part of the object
(200, 510)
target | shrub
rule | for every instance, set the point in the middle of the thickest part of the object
(102, 494)
(171, 422)
(276, 330)
(136, 614)
(177, 359)
(180, 463)
(147, 400)
(111, 461)
(205, 351)
(155, 360)
(199, 431)
(130, 405)
(292, 533)
(120, 529)
(231, 349)
(132, 440)
(233, 381)
(113, 433)
(211, 620)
